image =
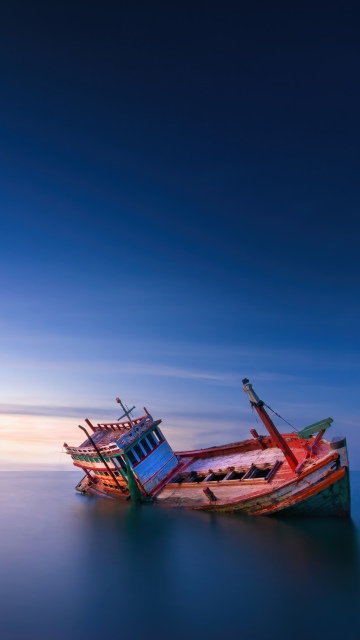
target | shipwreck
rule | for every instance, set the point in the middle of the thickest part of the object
(301, 473)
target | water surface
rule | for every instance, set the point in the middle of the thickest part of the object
(78, 567)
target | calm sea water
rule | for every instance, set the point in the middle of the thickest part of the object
(76, 567)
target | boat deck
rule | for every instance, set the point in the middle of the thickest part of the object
(235, 472)
(239, 461)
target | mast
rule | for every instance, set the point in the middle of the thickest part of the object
(265, 418)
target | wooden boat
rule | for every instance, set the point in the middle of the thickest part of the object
(299, 473)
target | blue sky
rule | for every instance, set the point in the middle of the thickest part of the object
(179, 209)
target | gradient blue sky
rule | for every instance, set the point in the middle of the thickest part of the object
(179, 209)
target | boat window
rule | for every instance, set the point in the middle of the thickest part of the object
(139, 452)
(142, 448)
(146, 439)
(144, 443)
(157, 434)
(131, 457)
(152, 440)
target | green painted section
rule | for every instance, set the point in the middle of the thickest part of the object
(135, 493)
(315, 428)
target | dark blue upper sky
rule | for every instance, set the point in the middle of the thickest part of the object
(180, 187)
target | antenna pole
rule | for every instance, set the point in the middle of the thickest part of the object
(126, 412)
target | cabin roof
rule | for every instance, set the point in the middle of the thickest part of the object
(105, 436)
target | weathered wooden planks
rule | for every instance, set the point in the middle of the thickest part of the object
(257, 476)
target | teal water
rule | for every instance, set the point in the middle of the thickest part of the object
(76, 567)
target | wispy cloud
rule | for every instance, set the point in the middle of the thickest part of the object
(43, 410)
(243, 357)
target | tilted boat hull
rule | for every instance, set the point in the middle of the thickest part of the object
(322, 489)
(293, 474)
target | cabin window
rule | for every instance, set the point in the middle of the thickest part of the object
(144, 443)
(141, 445)
(152, 440)
(157, 434)
(149, 442)
(131, 457)
(138, 451)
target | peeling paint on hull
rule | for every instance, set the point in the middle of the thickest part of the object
(334, 500)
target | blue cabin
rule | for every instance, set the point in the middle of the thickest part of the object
(146, 451)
